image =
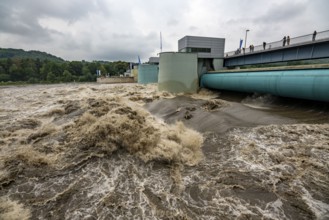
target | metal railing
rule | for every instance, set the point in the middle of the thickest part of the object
(280, 44)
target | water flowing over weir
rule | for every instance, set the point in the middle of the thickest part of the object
(94, 152)
(311, 84)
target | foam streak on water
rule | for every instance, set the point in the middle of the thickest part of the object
(88, 151)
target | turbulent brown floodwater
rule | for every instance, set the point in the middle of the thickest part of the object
(91, 151)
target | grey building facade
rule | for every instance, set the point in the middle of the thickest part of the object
(206, 47)
(154, 60)
(180, 71)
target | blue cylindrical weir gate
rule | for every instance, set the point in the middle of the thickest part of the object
(312, 84)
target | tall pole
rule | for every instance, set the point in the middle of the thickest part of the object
(160, 42)
(245, 39)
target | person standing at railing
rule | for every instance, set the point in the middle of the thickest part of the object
(264, 45)
(288, 41)
(314, 35)
(251, 48)
(284, 41)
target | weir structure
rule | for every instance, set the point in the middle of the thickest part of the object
(180, 71)
(195, 61)
(147, 73)
(311, 84)
(307, 82)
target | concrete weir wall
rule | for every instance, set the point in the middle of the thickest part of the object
(147, 74)
(115, 80)
(178, 72)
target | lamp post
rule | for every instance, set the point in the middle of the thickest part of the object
(245, 39)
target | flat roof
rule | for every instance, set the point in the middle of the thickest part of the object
(201, 37)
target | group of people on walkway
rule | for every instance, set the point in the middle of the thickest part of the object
(238, 51)
(251, 48)
(285, 42)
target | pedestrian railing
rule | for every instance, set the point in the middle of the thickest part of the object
(281, 43)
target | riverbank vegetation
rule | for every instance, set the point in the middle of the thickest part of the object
(19, 67)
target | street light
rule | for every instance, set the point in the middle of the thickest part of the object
(245, 39)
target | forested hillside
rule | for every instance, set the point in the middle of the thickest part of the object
(39, 67)
(22, 54)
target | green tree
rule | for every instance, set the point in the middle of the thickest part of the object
(45, 70)
(14, 73)
(85, 71)
(30, 73)
(56, 69)
(8, 64)
(51, 77)
(4, 77)
(120, 67)
(2, 70)
(86, 76)
(38, 65)
(33, 80)
(103, 70)
(67, 76)
(92, 67)
(110, 69)
(75, 67)
(29, 69)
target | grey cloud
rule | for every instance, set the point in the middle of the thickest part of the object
(130, 52)
(115, 54)
(275, 13)
(172, 22)
(193, 28)
(130, 48)
(15, 23)
(281, 13)
(321, 8)
(67, 10)
(122, 47)
(111, 30)
(277, 19)
(22, 17)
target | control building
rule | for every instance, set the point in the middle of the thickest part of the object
(180, 72)
(210, 51)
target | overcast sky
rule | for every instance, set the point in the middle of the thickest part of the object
(122, 30)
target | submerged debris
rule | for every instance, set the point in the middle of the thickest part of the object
(214, 104)
(188, 115)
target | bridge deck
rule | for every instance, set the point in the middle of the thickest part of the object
(300, 48)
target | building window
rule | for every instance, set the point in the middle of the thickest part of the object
(196, 50)
(200, 50)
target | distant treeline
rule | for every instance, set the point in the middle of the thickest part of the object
(40, 67)
(21, 54)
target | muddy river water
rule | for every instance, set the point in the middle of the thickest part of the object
(97, 151)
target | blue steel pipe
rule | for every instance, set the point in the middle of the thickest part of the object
(312, 84)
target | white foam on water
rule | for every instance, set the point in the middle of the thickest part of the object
(319, 208)
(54, 163)
(274, 210)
